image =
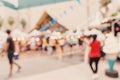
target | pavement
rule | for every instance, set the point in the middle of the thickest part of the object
(76, 72)
(37, 66)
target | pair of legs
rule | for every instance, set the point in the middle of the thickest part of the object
(62, 48)
(12, 62)
(11, 68)
(96, 61)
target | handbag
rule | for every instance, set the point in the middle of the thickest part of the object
(103, 54)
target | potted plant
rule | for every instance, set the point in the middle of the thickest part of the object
(23, 23)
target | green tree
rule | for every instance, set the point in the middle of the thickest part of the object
(118, 9)
(114, 14)
(23, 23)
(11, 21)
(1, 22)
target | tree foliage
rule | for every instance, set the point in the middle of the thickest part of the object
(1, 22)
(23, 23)
(11, 20)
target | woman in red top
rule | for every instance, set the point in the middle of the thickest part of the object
(94, 55)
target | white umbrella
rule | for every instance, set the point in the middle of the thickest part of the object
(95, 31)
(34, 33)
(79, 34)
(86, 32)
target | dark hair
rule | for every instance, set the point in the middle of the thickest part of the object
(94, 37)
(8, 31)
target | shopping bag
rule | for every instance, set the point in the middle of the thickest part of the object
(16, 56)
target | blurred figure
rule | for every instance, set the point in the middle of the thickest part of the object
(62, 43)
(53, 44)
(39, 44)
(10, 49)
(17, 50)
(86, 42)
(49, 46)
(33, 43)
(44, 44)
(94, 56)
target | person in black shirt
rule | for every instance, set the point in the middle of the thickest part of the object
(10, 48)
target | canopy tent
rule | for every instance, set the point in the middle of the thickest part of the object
(95, 31)
(46, 22)
(55, 35)
(21, 4)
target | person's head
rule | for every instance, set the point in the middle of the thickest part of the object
(94, 37)
(8, 31)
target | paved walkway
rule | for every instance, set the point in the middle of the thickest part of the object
(34, 63)
(76, 72)
(36, 66)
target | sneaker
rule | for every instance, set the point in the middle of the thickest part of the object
(19, 68)
(10, 75)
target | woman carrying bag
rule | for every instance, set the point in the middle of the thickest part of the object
(94, 56)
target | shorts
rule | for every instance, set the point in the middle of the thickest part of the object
(10, 56)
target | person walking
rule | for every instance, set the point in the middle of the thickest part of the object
(10, 49)
(94, 56)
(86, 42)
